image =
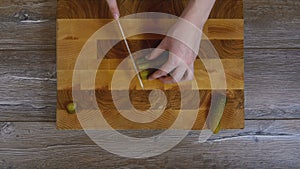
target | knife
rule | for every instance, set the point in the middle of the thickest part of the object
(130, 54)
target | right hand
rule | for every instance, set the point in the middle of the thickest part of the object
(113, 7)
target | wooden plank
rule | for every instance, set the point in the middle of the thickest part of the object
(27, 85)
(260, 31)
(27, 25)
(69, 50)
(28, 135)
(30, 10)
(272, 24)
(116, 121)
(233, 116)
(139, 99)
(23, 143)
(224, 29)
(277, 78)
(272, 83)
(112, 64)
(225, 9)
(27, 36)
(230, 49)
(233, 69)
(99, 9)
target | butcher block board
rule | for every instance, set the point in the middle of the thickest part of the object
(78, 20)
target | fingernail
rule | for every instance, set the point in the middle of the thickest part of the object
(116, 16)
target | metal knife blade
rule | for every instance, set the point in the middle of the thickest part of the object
(130, 54)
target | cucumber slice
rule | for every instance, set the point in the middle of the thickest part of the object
(71, 108)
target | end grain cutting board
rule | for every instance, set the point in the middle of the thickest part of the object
(78, 20)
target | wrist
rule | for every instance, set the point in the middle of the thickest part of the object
(186, 32)
(197, 12)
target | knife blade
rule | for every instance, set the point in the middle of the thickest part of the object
(130, 55)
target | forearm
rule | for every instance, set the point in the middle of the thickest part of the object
(197, 11)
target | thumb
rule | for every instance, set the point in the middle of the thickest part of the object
(156, 52)
(113, 7)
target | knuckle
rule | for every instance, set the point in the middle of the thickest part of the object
(190, 77)
(159, 73)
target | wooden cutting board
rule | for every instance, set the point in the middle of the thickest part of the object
(78, 20)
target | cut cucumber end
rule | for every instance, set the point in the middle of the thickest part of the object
(71, 108)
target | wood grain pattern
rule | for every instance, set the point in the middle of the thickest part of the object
(271, 89)
(277, 20)
(262, 82)
(224, 28)
(99, 9)
(71, 29)
(139, 99)
(232, 118)
(70, 49)
(233, 69)
(118, 122)
(272, 70)
(28, 85)
(42, 134)
(260, 32)
(249, 148)
(27, 25)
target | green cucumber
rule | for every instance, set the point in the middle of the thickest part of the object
(216, 111)
(217, 130)
(144, 74)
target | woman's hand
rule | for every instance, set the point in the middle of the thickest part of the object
(113, 7)
(182, 54)
(180, 64)
(183, 43)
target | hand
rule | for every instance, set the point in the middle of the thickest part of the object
(188, 30)
(113, 7)
(180, 64)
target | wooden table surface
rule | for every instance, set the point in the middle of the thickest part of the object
(224, 28)
(271, 138)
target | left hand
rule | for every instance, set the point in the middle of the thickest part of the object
(183, 43)
(188, 29)
(180, 64)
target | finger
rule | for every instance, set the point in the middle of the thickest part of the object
(175, 77)
(113, 7)
(168, 67)
(156, 52)
(189, 74)
(178, 74)
(167, 80)
(157, 74)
